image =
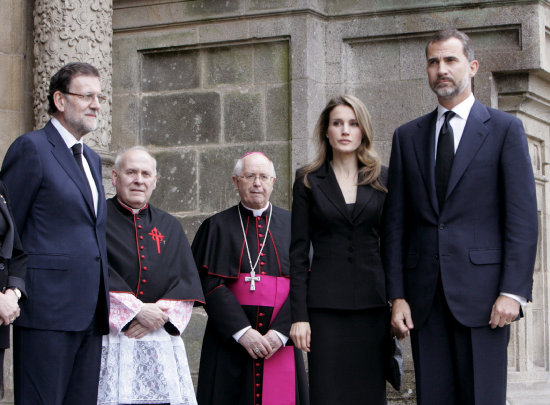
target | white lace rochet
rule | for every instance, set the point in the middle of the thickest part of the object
(150, 370)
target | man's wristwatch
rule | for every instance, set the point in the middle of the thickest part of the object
(17, 292)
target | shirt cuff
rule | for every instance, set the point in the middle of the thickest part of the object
(283, 338)
(518, 298)
(240, 333)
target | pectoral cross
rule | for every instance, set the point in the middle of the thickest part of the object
(253, 278)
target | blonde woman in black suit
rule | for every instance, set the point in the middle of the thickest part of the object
(13, 264)
(338, 300)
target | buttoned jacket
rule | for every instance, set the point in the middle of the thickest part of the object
(63, 237)
(345, 270)
(483, 240)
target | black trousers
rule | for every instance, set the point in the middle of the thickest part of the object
(458, 365)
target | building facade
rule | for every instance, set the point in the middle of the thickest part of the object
(200, 82)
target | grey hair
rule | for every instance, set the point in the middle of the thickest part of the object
(118, 159)
(449, 33)
(238, 169)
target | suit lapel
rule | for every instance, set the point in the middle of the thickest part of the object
(66, 160)
(364, 195)
(475, 133)
(424, 147)
(329, 186)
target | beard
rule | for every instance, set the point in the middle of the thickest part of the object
(452, 88)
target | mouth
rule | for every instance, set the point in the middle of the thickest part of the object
(444, 81)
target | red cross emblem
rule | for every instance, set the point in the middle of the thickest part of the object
(157, 237)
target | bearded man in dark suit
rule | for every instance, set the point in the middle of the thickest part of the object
(461, 233)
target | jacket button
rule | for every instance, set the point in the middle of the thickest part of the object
(141, 237)
(143, 256)
(2, 266)
(145, 268)
(144, 281)
(141, 293)
(436, 257)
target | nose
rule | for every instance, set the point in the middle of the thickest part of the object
(257, 181)
(345, 128)
(95, 103)
(138, 178)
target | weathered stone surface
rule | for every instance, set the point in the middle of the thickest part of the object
(170, 71)
(191, 223)
(180, 119)
(277, 113)
(271, 62)
(229, 65)
(126, 126)
(243, 117)
(177, 184)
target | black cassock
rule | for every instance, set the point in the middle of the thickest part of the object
(228, 375)
(149, 255)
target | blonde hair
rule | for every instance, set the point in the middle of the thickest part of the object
(369, 162)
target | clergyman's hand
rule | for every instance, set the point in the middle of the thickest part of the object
(255, 344)
(401, 319)
(136, 330)
(152, 316)
(274, 341)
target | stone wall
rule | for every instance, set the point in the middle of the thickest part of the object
(16, 114)
(200, 82)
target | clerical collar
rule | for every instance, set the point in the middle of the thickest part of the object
(134, 210)
(258, 212)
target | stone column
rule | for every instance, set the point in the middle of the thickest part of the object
(67, 31)
(527, 96)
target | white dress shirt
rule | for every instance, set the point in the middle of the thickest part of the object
(70, 141)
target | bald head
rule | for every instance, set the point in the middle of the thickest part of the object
(135, 177)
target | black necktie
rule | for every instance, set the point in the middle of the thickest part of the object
(77, 153)
(444, 158)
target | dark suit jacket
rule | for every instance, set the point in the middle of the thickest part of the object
(64, 240)
(13, 261)
(346, 271)
(484, 240)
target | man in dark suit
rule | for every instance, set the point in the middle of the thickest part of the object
(59, 210)
(461, 234)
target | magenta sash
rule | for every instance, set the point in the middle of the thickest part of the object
(279, 381)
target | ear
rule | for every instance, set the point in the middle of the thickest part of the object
(235, 181)
(474, 66)
(155, 182)
(114, 176)
(59, 101)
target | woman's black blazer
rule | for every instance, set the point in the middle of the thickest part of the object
(13, 261)
(346, 270)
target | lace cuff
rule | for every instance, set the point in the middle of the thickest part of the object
(179, 312)
(124, 308)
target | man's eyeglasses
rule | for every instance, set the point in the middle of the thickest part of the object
(250, 178)
(88, 98)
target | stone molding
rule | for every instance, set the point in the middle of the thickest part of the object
(67, 31)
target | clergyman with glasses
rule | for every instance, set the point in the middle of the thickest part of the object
(59, 209)
(242, 257)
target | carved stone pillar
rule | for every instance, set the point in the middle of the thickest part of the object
(67, 31)
(527, 96)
